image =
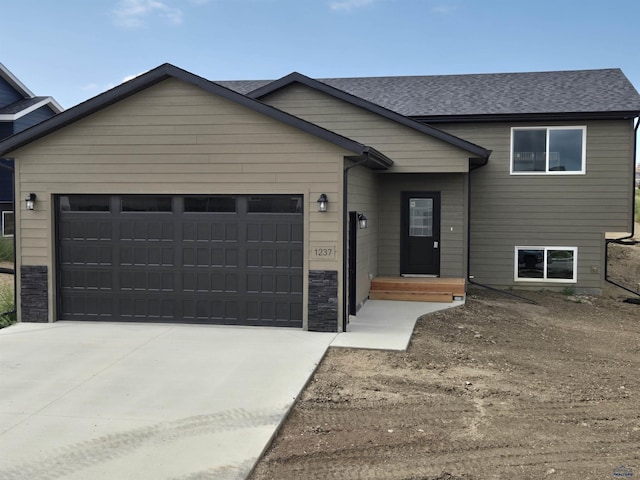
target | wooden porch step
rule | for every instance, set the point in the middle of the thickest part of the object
(417, 289)
(410, 296)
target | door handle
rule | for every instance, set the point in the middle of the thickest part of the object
(435, 244)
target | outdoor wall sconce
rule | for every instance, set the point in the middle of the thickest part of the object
(323, 203)
(30, 201)
(362, 220)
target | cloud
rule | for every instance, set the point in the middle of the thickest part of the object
(134, 13)
(131, 77)
(348, 5)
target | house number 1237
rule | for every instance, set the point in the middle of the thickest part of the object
(324, 253)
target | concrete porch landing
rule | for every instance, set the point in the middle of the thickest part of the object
(417, 289)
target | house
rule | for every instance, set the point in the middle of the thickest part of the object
(171, 198)
(19, 109)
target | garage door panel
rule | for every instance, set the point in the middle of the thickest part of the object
(207, 309)
(210, 231)
(146, 255)
(147, 307)
(88, 306)
(272, 312)
(141, 228)
(86, 279)
(146, 281)
(233, 259)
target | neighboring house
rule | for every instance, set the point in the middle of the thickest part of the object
(171, 198)
(19, 109)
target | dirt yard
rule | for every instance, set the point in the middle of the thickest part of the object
(497, 389)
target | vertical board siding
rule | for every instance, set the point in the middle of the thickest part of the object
(412, 151)
(174, 138)
(452, 188)
(32, 118)
(547, 210)
(363, 198)
(8, 94)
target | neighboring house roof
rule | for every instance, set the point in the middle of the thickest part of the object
(14, 111)
(296, 77)
(375, 159)
(29, 102)
(589, 93)
(12, 80)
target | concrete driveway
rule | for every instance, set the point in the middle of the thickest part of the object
(135, 401)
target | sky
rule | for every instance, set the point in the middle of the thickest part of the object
(73, 50)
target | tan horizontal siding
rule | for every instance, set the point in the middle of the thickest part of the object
(363, 198)
(174, 138)
(409, 149)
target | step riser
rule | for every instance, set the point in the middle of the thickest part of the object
(417, 289)
(411, 296)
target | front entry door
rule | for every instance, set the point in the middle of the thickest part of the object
(420, 238)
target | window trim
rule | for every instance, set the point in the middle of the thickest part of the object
(549, 128)
(544, 279)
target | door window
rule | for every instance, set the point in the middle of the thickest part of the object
(421, 217)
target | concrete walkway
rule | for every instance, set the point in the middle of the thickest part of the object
(122, 401)
(386, 325)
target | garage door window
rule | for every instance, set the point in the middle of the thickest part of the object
(145, 203)
(83, 203)
(274, 204)
(210, 204)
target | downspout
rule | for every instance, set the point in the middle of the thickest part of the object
(627, 240)
(345, 223)
(469, 276)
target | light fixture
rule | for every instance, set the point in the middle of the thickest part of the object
(362, 220)
(323, 203)
(30, 201)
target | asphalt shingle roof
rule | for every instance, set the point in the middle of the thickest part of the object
(578, 91)
(17, 107)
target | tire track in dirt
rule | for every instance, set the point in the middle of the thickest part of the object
(389, 463)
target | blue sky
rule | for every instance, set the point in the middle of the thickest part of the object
(75, 49)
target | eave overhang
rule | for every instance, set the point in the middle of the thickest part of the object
(526, 117)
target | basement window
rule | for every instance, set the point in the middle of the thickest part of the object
(546, 264)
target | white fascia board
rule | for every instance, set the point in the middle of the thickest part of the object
(14, 82)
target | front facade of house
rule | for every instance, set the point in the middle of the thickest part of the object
(19, 110)
(176, 199)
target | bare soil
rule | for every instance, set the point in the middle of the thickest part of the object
(499, 388)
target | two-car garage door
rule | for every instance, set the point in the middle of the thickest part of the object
(222, 259)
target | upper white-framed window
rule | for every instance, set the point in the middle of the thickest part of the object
(7, 223)
(546, 264)
(548, 150)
